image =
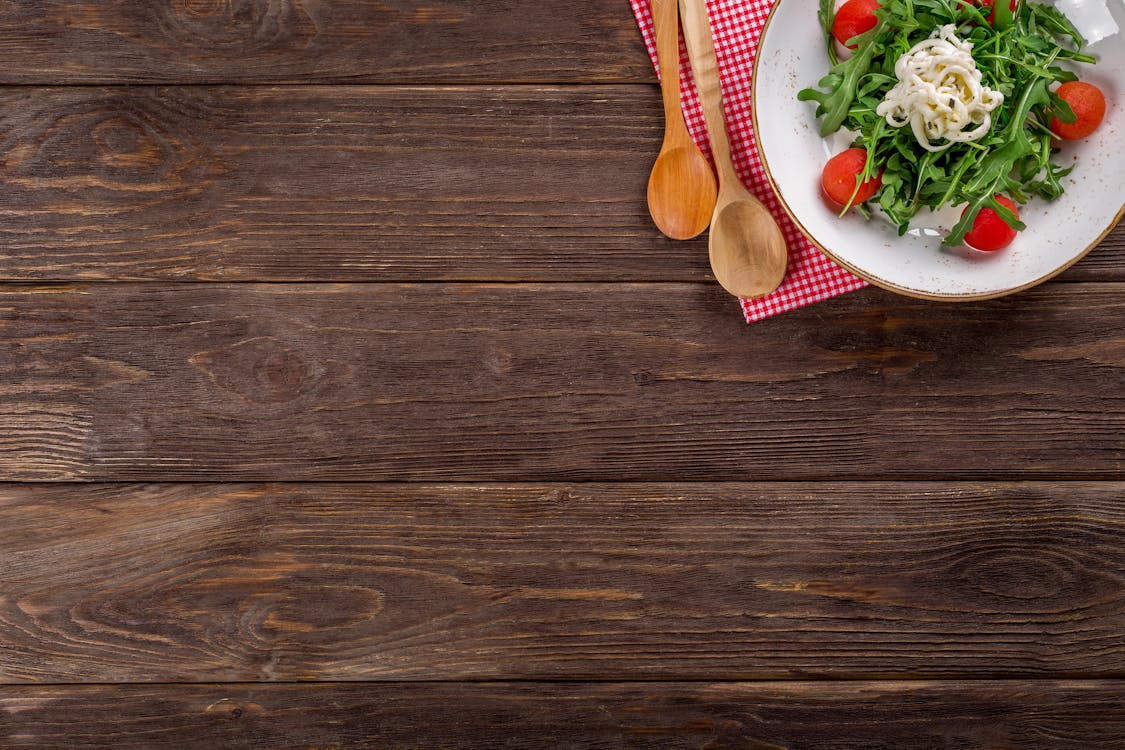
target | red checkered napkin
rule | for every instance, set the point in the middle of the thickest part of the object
(737, 25)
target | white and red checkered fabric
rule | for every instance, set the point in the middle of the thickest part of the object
(737, 25)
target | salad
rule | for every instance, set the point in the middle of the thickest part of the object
(951, 103)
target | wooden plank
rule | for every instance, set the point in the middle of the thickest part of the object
(1104, 263)
(511, 382)
(338, 41)
(349, 183)
(659, 716)
(344, 184)
(120, 583)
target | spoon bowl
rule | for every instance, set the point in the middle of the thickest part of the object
(681, 192)
(746, 247)
(681, 186)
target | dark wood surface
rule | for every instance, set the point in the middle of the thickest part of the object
(555, 381)
(233, 582)
(918, 715)
(307, 41)
(349, 399)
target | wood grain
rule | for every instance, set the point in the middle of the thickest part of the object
(512, 382)
(187, 583)
(351, 183)
(344, 184)
(657, 716)
(339, 41)
(507, 142)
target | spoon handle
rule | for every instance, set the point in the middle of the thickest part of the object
(705, 67)
(666, 26)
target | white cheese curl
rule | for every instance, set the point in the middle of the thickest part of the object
(939, 93)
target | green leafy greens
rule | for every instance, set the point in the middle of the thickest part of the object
(1018, 55)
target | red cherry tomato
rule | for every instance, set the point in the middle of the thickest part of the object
(852, 19)
(839, 178)
(989, 231)
(1088, 103)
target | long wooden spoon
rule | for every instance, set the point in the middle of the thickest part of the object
(681, 187)
(747, 249)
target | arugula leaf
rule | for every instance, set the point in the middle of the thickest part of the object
(827, 16)
(1001, 14)
(835, 105)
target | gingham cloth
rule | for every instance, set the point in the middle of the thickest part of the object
(737, 25)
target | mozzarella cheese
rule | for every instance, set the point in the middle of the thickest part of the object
(939, 93)
(1092, 18)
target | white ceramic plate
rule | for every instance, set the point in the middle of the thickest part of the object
(791, 56)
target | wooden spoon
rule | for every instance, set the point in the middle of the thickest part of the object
(747, 250)
(681, 188)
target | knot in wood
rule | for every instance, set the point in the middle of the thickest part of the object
(240, 27)
(1020, 574)
(101, 146)
(262, 369)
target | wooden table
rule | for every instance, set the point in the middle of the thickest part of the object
(349, 399)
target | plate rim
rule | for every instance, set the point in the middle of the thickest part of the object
(866, 276)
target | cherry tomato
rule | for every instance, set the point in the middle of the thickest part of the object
(839, 178)
(852, 19)
(1088, 104)
(989, 231)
